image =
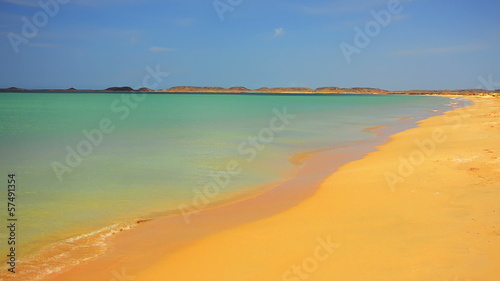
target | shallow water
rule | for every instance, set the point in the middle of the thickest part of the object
(146, 156)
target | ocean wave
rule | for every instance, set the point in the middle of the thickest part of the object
(61, 256)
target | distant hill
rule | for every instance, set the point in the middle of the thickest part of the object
(119, 89)
(279, 90)
(14, 89)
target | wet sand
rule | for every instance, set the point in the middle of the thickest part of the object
(439, 221)
(135, 250)
(435, 222)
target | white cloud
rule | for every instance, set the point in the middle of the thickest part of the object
(278, 32)
(160, 49)
(440, 50)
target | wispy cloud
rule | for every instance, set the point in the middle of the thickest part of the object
(44, 45)
(339, 7)
(186, 22)
(156, 49)
(9, 17)
(278, 32)
(5, 26)
(349, 25)
(129, 36)
(101, 3)
(26, 3)
(343, 7)
(441, 50)
(400, 17)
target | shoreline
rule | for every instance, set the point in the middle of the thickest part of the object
(172, 233)
(267, 90)
(349, 153)
(428, 228)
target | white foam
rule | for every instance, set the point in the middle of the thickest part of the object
(65, 254)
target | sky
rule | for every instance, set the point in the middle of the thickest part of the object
(388, 44)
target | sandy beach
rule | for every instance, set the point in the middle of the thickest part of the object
(422, 207)
(242, 141)
(439, 222)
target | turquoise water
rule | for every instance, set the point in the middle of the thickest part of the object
(157, 150)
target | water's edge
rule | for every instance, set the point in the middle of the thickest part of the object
(62, 256)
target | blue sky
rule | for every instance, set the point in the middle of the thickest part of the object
(95, 44)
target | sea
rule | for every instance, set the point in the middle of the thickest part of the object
(87, 164)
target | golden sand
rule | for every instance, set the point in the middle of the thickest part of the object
(423, 207)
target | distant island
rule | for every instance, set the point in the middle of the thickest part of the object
(265, 90)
